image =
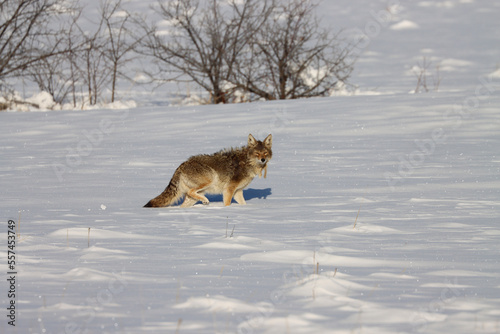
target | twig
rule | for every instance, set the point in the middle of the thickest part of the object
(179, 322)
(422, 72)
(437, 79)
(221, 270)
(355, 221)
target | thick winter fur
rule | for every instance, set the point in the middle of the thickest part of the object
(226, 172)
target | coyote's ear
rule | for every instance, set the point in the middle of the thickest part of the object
(251, 140)
(268, 142)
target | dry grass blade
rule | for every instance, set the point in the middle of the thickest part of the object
(179, 322)
(356, 220)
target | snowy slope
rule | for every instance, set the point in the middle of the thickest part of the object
(422, 254)
(379, 213)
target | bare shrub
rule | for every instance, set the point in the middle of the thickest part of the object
(92, 60)
(291, 56)
(203, 41)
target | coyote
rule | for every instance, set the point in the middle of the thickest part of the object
(228, 172)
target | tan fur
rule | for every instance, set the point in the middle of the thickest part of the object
(226, 172)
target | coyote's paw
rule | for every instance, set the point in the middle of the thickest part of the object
(205, 202)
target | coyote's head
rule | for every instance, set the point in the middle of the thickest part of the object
(260, 151)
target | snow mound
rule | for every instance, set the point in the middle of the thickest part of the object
(495, 74)
(404, 25)
(221, 304)
(437, 4)
(44, 101)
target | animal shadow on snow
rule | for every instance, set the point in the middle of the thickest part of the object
(248, 194)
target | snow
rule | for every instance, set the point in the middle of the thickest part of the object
(44, 101)
(403, 25)
(495, 74)
(379, 213)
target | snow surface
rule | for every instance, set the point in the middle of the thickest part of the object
(380, 213)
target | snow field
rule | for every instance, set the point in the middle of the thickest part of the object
(421, 255)
(379, 213)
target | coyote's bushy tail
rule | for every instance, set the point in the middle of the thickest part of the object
(169, 196)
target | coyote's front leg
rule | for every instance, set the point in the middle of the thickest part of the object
(238, 197)
(228, 193)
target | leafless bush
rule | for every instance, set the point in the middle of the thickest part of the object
(106, 50)
(202, 41)
(29, 33)
(269, 49)
(50, 43)
(51, 75)
(30, 36)
(121, 40)
(235, 50)
(79, 69)
(291, 56)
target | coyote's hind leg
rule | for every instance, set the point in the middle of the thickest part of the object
(194, 193)
(188, 202)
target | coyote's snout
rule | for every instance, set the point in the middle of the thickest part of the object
(226, 172)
